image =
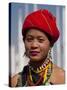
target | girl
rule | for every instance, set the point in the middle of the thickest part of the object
(39, 32)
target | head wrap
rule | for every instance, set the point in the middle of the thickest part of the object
(44, 21)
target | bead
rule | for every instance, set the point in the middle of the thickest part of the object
(45, 76)
(41, 68)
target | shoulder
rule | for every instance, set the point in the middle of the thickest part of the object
(58, 75)
(14, 80)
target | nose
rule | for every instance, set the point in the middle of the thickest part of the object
(34, 44)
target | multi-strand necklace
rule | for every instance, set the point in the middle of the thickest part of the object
(35, 79)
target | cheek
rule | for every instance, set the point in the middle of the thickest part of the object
(45, 48)
(27, 46)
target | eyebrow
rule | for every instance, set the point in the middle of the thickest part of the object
(36, 36)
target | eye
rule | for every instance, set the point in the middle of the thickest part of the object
(29, 39)
(41, 40)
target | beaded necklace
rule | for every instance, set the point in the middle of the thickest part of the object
(41, 68)
(46, 68)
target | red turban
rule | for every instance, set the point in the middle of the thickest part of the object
(44, 21)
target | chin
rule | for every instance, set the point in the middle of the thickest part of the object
(35, 59)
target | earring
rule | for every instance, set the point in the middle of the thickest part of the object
(49, 54)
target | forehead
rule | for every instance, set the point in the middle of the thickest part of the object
(35, 32)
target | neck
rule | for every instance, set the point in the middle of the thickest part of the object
(37, 64)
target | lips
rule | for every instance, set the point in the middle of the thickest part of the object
(34, 53)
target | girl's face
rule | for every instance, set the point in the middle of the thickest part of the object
(37, 45)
